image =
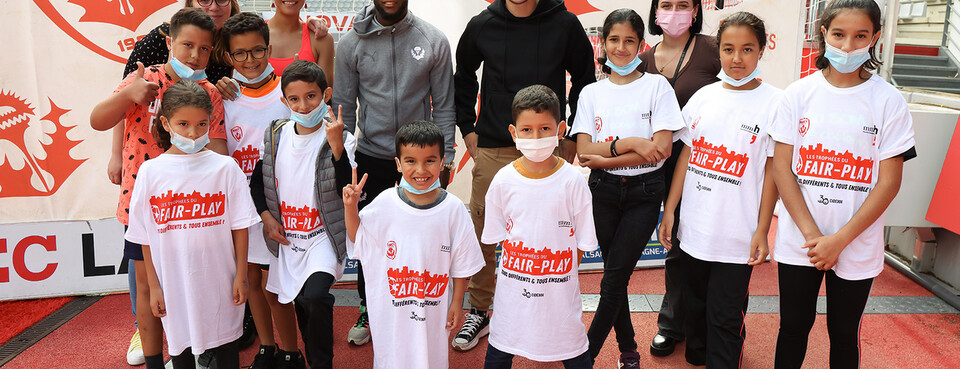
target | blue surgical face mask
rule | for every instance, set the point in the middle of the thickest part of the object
(311, 119)
(626, 69)
(266, 73)
(187, 145)
(409, 187)
(738, 82)
(185, 72)
(846, 62)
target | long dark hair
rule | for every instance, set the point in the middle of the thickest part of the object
(868, 7)
(695, 27)
(623, 15)
(744, 19)
(178, 95)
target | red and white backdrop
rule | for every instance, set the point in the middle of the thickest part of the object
(58, 233)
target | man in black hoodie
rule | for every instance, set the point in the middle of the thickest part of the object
(520, 43)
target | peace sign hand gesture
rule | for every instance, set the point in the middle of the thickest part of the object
(352, 191)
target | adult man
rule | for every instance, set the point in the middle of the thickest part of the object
(520, 43)
(399, 69)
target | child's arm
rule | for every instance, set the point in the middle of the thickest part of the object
(641, 148)
(115, 166)
(455, 314)
(240, 237)
(676, 192)
(323, 54)
(351, 196)
(271, 227)
(825, 250)
(110, 111)
(157, 305)
(335, 133)
(652, 151)
(759, 248)
(790, 191)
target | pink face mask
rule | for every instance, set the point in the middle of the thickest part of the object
(674, 22)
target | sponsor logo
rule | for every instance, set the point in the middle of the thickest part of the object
(598, 122)
(35, 155)
(391, 250)
(509, 224)
(529, 294)
(564, 224)
(414, 316)
(871, 130)
(646, 115)
(701, 187)
(444, 248)
(695, 123)
(515, 257)
(827, 201)
(753, 131)
(417, 52)
(405, 283)
(804, 126)
(237, 132)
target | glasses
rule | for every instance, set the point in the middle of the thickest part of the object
(241, 55)
(207, 3)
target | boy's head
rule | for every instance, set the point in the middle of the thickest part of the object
(304, 86)
(191, 37)
(536, 114)
(419, 153)
(247, 40)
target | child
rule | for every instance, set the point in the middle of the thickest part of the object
(408, 272)
(723, 174)
(194, 233)
(247, 40)
(539, 206)
(306, 162)
(135, 103)
(625, 125)
(842, 136)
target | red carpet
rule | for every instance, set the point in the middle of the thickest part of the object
(15, 316)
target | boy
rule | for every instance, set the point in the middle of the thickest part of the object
(247, 39)
(408, 272)
(135, 103)
(306, 150)
(541, 209)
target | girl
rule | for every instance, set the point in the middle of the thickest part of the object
(689, 61)
(625, 125)
(290, 39)
(730, 195)
(190, 211)
(842, 136)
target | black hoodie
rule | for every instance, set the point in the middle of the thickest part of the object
(516, 53)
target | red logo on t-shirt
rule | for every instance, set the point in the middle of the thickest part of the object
(525, 260)
(708, 156)
(509, 224)
(237, 132)
(822, 163)
(599, 122)
(178, 206)
(391, 250)
(410, 283)
(246, 158)
(804, 126)
(304, 219)
(695, 123)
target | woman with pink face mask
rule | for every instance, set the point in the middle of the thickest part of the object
(689, 61)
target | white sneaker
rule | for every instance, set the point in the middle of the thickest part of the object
(135, 350)
(359, 334)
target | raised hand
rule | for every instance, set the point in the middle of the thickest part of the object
(229, 88)
(318, 27)
(335, 132)
(352, 191)
(141, 91)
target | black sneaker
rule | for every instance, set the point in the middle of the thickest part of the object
(207, 360)
(476, 325)
(265, 358)
(290, 360)
(249, 335)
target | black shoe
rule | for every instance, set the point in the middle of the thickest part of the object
(249, 330)
(207, 360)
(265, 358)
(662, 345)
(290, 360)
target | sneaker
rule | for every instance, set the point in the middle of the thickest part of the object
(207, 360)
(135, 350)
(360, 333)
(290, 360)
(629, 360)
(265, 358)
(476, 325)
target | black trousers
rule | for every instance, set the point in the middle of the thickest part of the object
(716, 299)
(381, 175)
(227, 355)
(670, 322)
(799, 286)
(314, 308)
(625, 211)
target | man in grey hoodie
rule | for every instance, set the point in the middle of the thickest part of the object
(398, 67)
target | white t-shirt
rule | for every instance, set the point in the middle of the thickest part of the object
(839, 137)
(542, 223)
(638, 109)
(246, 119)
(409, 258)
(185, 207)
(310, 250)
(729, 146)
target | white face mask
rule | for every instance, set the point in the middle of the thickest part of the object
(537, 150)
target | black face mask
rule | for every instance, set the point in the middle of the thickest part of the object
(391, 17)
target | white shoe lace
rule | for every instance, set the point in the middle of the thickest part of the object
(471, 325)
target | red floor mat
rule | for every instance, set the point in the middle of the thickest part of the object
(16, 316)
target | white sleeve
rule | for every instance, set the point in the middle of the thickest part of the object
(771, 118)
(584, 121)
(584, 228)
(666, 110)
(365, 242)
(785, 122)
(467, 259)
(243, 213)
(896, 135)
(494, 221)
(141, 214)
(690, 113)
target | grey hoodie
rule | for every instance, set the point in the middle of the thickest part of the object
(395, 72)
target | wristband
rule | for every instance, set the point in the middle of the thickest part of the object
(613, 147)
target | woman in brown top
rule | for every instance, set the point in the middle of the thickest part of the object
(689, 60)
